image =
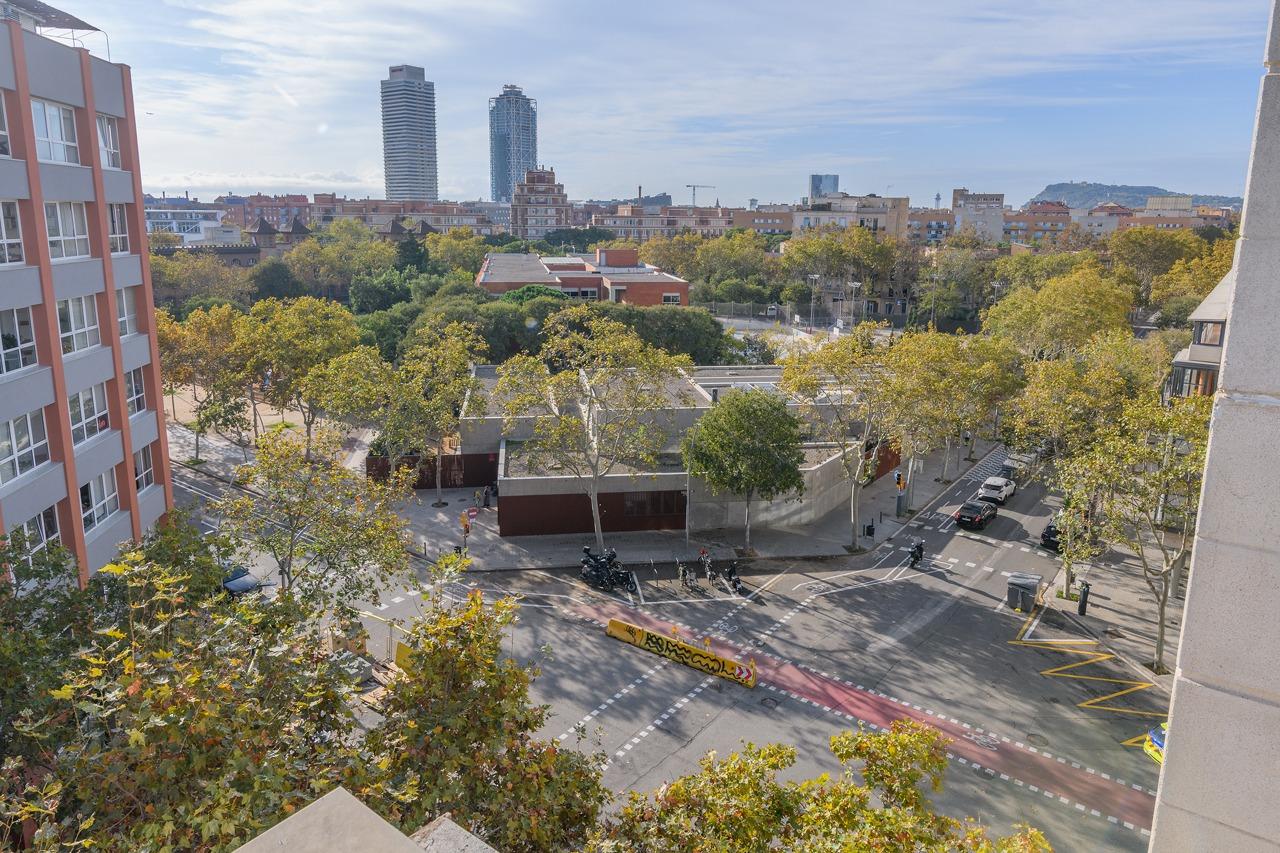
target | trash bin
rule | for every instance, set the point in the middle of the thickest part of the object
(1022, 590)
(870, 531)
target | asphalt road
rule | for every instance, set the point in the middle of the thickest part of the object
(863, 639)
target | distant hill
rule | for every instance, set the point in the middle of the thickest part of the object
(1085, 194)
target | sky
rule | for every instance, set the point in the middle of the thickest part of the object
(899, 97)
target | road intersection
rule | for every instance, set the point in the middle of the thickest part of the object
(848, 641)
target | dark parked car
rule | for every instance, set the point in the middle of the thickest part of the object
(1050, 537)
(975, 514)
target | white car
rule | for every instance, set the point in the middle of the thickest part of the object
(996, 489)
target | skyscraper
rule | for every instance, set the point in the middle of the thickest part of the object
(409, 135)
(513, 140)
(820, 185)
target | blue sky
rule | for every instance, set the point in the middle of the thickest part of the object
(909, 97)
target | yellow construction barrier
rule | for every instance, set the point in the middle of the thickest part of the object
(680, 652)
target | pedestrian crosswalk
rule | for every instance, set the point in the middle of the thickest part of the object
(988, 467)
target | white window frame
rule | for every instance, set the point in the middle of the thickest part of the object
(667, 299)
(17, 339)
(78, 323)
(88, 412)
(109, 141)
(135, 391)
(5, 149)
(117, 229)
(101, 500)
(144, 470)
(127, 310)
(68, 223)
(10, 234)
(42, 530)
(54, 147)
(16, 458)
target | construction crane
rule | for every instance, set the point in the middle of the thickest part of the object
(695, 188)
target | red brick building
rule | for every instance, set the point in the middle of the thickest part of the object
(615, 275)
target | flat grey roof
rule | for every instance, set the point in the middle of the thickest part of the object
(500, 266)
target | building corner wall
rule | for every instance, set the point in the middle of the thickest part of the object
(1222, 765)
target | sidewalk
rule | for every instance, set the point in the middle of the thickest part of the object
(438, 530)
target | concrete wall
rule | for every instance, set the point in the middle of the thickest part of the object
(825, 488)
(1222, 768)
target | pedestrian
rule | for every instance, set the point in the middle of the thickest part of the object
(475, 497)
(486, 497)
(495, 490)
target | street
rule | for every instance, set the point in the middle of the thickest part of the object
(1038, 713)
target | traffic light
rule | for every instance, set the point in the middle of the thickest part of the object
(897, 479)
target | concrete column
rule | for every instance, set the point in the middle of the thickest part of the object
(1219, 784)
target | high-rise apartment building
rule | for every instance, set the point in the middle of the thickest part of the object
(409, 135)
(513, 140)
(83, 455)
(538, 205)
(820, 185)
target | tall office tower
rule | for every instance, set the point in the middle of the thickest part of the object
(409, 135)
(513, 140)
(83, 454)
(820, 185)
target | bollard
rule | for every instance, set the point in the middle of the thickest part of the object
(1084, 598)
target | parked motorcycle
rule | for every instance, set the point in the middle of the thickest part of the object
(688, 577)
(604, 571)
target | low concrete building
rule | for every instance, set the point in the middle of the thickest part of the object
(659, 497)
(612, 275)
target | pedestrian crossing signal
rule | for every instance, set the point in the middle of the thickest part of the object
(897, 478)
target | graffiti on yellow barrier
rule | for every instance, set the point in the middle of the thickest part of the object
(707, 661)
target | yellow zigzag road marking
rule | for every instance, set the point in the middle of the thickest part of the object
(1091, 656)
(1136, 740)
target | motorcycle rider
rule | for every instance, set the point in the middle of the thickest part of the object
(917, 553)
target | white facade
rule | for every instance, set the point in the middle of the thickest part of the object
(1222, 766)
(196, 227)
(409, 135)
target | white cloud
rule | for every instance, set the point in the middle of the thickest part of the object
(746, 95)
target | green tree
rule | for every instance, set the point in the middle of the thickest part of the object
(922, 411)
(386, 329)
(194, 726)
(579, 239)
(460, 736)
(175, 369)
(597, 399)
(285, 341)
(333, 534)
(188, 274)
(272, 279)
(1138, 484)
(1195, 277)
(951, 288)
(213, 363)
(1011, 272)
(748, 444)
(327, 263)
(1147, 252)
(677, 255)
(839, 389)
(221, 408)
(381, 291)
(532, 291)
(1062, 316)
(740, 254)
(411, 256)
(738, 804)
(459, 249)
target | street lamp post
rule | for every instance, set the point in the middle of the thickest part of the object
(813, 287)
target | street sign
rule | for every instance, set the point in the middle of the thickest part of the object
(472, 512)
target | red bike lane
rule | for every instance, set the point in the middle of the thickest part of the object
(1041, 773)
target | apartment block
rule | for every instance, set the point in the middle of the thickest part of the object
(637, 222)
(1038, 221)
(83, 456)
(930, 226)
(883, 215)
(981, 213)
(771, 219)
(539, 205)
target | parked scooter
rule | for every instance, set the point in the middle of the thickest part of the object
(688, 577)
(604, 571)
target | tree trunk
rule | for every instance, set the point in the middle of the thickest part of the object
(594, 496)
(855, 515)
(196, 458)
(173, 406)
(1162, 604)
(946, 461)
(439, 473)
(253, 406)
(747, 537)
(308, 420)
